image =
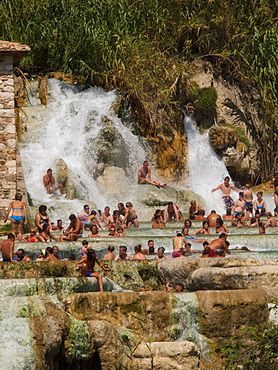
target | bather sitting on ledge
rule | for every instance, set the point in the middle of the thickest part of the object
(88, 264)
(73, 231)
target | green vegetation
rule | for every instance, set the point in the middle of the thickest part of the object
(6, 228)
(145, 47)
(206, 97)
(259, 354)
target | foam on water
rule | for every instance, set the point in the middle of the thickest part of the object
(68, 129)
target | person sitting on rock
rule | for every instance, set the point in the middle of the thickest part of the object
(158, 212)
(83, 216)
(7, 248)
(50, 183)
(238, 220)
(46, 235)
(260, 204)
(73, 231)
(171, 212)
(91, 220)
(271, 221)
(158, 223)
(94, 232)
(88, 265)
(194, 210)
(207, 253)
(212, 217)
(144, 176)
(32, 237)
(204, 230)
(221, 227)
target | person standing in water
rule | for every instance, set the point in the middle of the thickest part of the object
(248, 197)
(18, 216)
(144, 176)
(50, 183)
(226, 192)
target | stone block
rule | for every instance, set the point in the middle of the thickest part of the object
(11, 143)
(165, 356)
(224, 313)
(6, 112)
(12, 170)
(10, 129)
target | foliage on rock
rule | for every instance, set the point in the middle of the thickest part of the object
(145, 48)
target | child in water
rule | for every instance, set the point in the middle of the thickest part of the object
(88, 262)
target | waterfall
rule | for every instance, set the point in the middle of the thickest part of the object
(70, 128)
(206, 169)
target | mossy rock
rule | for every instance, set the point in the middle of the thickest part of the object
(207, 97)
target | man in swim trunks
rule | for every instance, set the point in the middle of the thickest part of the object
(73, 231)
(226, 189)
(7, 248)
(248, 197)
(220, 243)
(144, 176)
(50, 183)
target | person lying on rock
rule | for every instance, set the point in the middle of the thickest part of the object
(88, 264)
(178, 288)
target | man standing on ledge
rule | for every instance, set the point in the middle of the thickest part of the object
(49, 183)
(226, 189)
(144, 176)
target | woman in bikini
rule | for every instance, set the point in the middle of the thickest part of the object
(32, 237)
(260, 204)
(204, 230)
(18, 216)
(88, 265)
(46, 235)
(42, 218)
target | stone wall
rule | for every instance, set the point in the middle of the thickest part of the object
(11, 173)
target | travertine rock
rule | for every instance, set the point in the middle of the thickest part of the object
(165, 356)
(223, 313)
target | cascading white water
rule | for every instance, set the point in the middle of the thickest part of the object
(206, 169)
(69, 129)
